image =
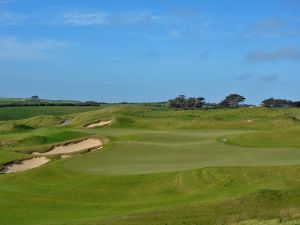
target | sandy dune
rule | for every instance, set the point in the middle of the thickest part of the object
(25, 165)
(100, 124)
(89, 143)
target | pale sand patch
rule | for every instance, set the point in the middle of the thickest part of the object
(65, 123)
(101, 123)
(90, 143)
(25, 165)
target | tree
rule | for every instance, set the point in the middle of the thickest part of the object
(269, 103)
(232, 100)
(178, 102)
(199, 102)
(278, 103)
(190, 103)
(296, 104)
(182, 102)
(91, 103)
(35, 98)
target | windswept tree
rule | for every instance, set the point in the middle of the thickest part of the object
(35, 98)
(199, 102)
(278, 103)
(186, 103)
(190, 103)
(178, 102)
(232, 100)
(296, 104)
(269, 103)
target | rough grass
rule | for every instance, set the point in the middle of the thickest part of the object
(53, 195)
(30, 123)
(165, 118)
(270, 222)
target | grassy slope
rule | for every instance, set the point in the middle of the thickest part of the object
(103, 187)
(53, 195)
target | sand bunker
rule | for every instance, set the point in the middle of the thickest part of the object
(25, 165)
(87, 144)
(101, 123)
(65, 123)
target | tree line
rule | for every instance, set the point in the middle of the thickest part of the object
(36, 101)
(230, 101)
(280, 103)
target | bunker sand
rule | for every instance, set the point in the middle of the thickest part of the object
(25, 165)
(101, 123)
(87, 144)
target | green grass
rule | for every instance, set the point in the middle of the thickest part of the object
(23, 112)
(159, 166)
(160, 151)
(275, 138)
(270, 222)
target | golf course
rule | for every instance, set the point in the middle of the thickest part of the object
(149, 165)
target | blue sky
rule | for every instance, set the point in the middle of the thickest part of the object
(149, 50)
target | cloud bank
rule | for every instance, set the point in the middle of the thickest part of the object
(12, 48)
(291, 54)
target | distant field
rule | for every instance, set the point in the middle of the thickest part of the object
(159, 166)
(3, 100)
(23, 112)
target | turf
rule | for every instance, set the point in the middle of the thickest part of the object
(159, 166)
(23, 112)
(153, 151)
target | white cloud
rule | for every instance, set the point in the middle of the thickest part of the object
(13, 49)
(6, 1)
(11, 18)
(142, 18)
(77, 18)
(156, 37)
(101, 18)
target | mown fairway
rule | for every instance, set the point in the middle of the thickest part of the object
(158, 166)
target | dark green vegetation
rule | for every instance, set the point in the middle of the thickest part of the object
(186, 103)
(22, 112)
(159, 166)
(36, 101)
(279, 103)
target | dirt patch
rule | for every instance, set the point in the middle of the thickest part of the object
(25, 165)
(87, 144)
(101, 123)
(5, 142)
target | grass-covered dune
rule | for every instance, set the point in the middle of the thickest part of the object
(158, 166)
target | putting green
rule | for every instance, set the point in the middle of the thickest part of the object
(142, 152)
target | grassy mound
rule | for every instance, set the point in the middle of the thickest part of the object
(274, 138)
